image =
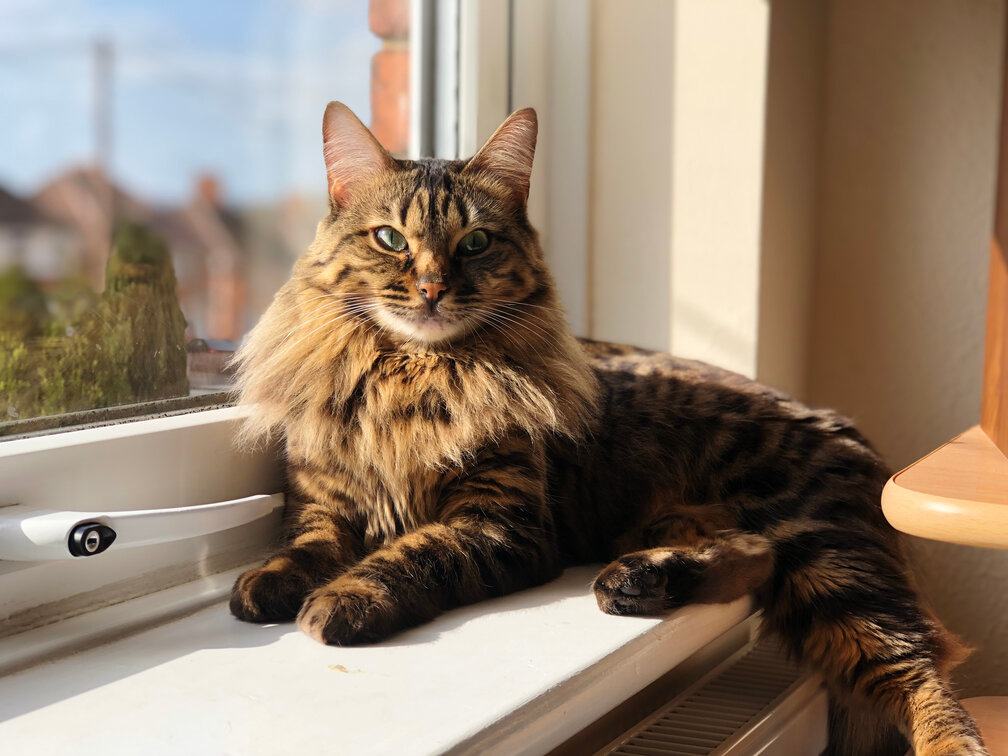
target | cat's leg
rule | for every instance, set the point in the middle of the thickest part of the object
(708, 571)
(681, 554)
(320, 545)
(837, 591)
(494, 536)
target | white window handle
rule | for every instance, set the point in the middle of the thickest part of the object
(34, 535)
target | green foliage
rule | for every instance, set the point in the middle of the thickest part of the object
(128, 346)
(69, 301)
(22, 304)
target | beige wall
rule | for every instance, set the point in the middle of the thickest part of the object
(676, 175)
(807, 197)
(791, 173)
(631, 182)
(718, 83)
(912, 92)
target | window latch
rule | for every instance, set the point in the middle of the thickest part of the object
(31, 535)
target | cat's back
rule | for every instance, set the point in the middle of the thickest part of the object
(645, 376)
(690, 422)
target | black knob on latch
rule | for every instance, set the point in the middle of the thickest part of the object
(90, 538)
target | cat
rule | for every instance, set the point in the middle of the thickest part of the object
(448, 439)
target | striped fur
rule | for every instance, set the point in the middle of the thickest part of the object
(434, 463)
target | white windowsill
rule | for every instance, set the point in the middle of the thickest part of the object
(515, 675)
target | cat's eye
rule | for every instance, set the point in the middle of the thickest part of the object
(390, 239)
(474, 242)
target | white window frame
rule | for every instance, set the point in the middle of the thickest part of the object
(512, 54)
(157, 463)
(551, 70)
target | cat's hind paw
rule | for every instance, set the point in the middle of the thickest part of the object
(633, 584)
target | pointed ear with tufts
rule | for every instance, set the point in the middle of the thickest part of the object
(351, 153)
(508, 153)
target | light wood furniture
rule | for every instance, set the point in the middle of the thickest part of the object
(994, 412)
(991, 716)
(957, 493)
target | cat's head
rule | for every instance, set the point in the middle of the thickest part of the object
(429, 250)
(433, 259)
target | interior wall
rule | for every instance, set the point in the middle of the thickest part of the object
(631, 183)
(808, 196)
(677, 123)
(550, 71)
(718, 88)
(790, 191)
(906, 191)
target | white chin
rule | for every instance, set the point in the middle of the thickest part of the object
(419, 330)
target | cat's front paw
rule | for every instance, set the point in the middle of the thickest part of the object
(268, 594)
(636, 584)
(348, 611)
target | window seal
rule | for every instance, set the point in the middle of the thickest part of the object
(95, 418)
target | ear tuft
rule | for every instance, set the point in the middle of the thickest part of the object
(509, 152)
(351, 153)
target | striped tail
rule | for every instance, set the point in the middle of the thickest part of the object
(844, 604)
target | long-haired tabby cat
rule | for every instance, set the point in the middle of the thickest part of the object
(448, 439)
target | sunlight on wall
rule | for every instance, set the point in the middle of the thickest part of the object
(718, 85)
(677, 154)
(631, 172)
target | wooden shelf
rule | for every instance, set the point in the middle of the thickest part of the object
(991, 715)
(958, 493)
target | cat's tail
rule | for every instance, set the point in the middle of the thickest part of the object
(843, 603)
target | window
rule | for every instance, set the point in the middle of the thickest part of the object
(161, 172)
(182, 113)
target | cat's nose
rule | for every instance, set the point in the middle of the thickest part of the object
(432, 290)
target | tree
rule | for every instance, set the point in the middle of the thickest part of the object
(23, 309)
(128, 347)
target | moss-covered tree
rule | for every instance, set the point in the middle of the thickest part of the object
(23, 311)
(128, 347)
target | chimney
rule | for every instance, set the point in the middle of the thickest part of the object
(208, 189)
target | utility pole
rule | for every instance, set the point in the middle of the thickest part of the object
(102, 65)
(102, 57)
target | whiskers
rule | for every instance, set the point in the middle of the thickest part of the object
(521, 326)
(321, 321)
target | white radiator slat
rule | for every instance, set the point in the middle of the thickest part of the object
(752, 701)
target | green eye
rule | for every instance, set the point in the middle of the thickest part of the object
(390, 239)
(474, 242)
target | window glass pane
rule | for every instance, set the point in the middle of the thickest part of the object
(161, 170)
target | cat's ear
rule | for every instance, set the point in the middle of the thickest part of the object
(508, 154)
(351, 153)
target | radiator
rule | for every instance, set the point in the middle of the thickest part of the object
(755, 702)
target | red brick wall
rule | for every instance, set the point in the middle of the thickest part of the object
(389, 20)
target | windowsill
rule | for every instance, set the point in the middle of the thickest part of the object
(519, 674)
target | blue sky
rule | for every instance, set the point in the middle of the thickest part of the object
(223, 86)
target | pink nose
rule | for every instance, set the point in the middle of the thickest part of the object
(432, 290)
